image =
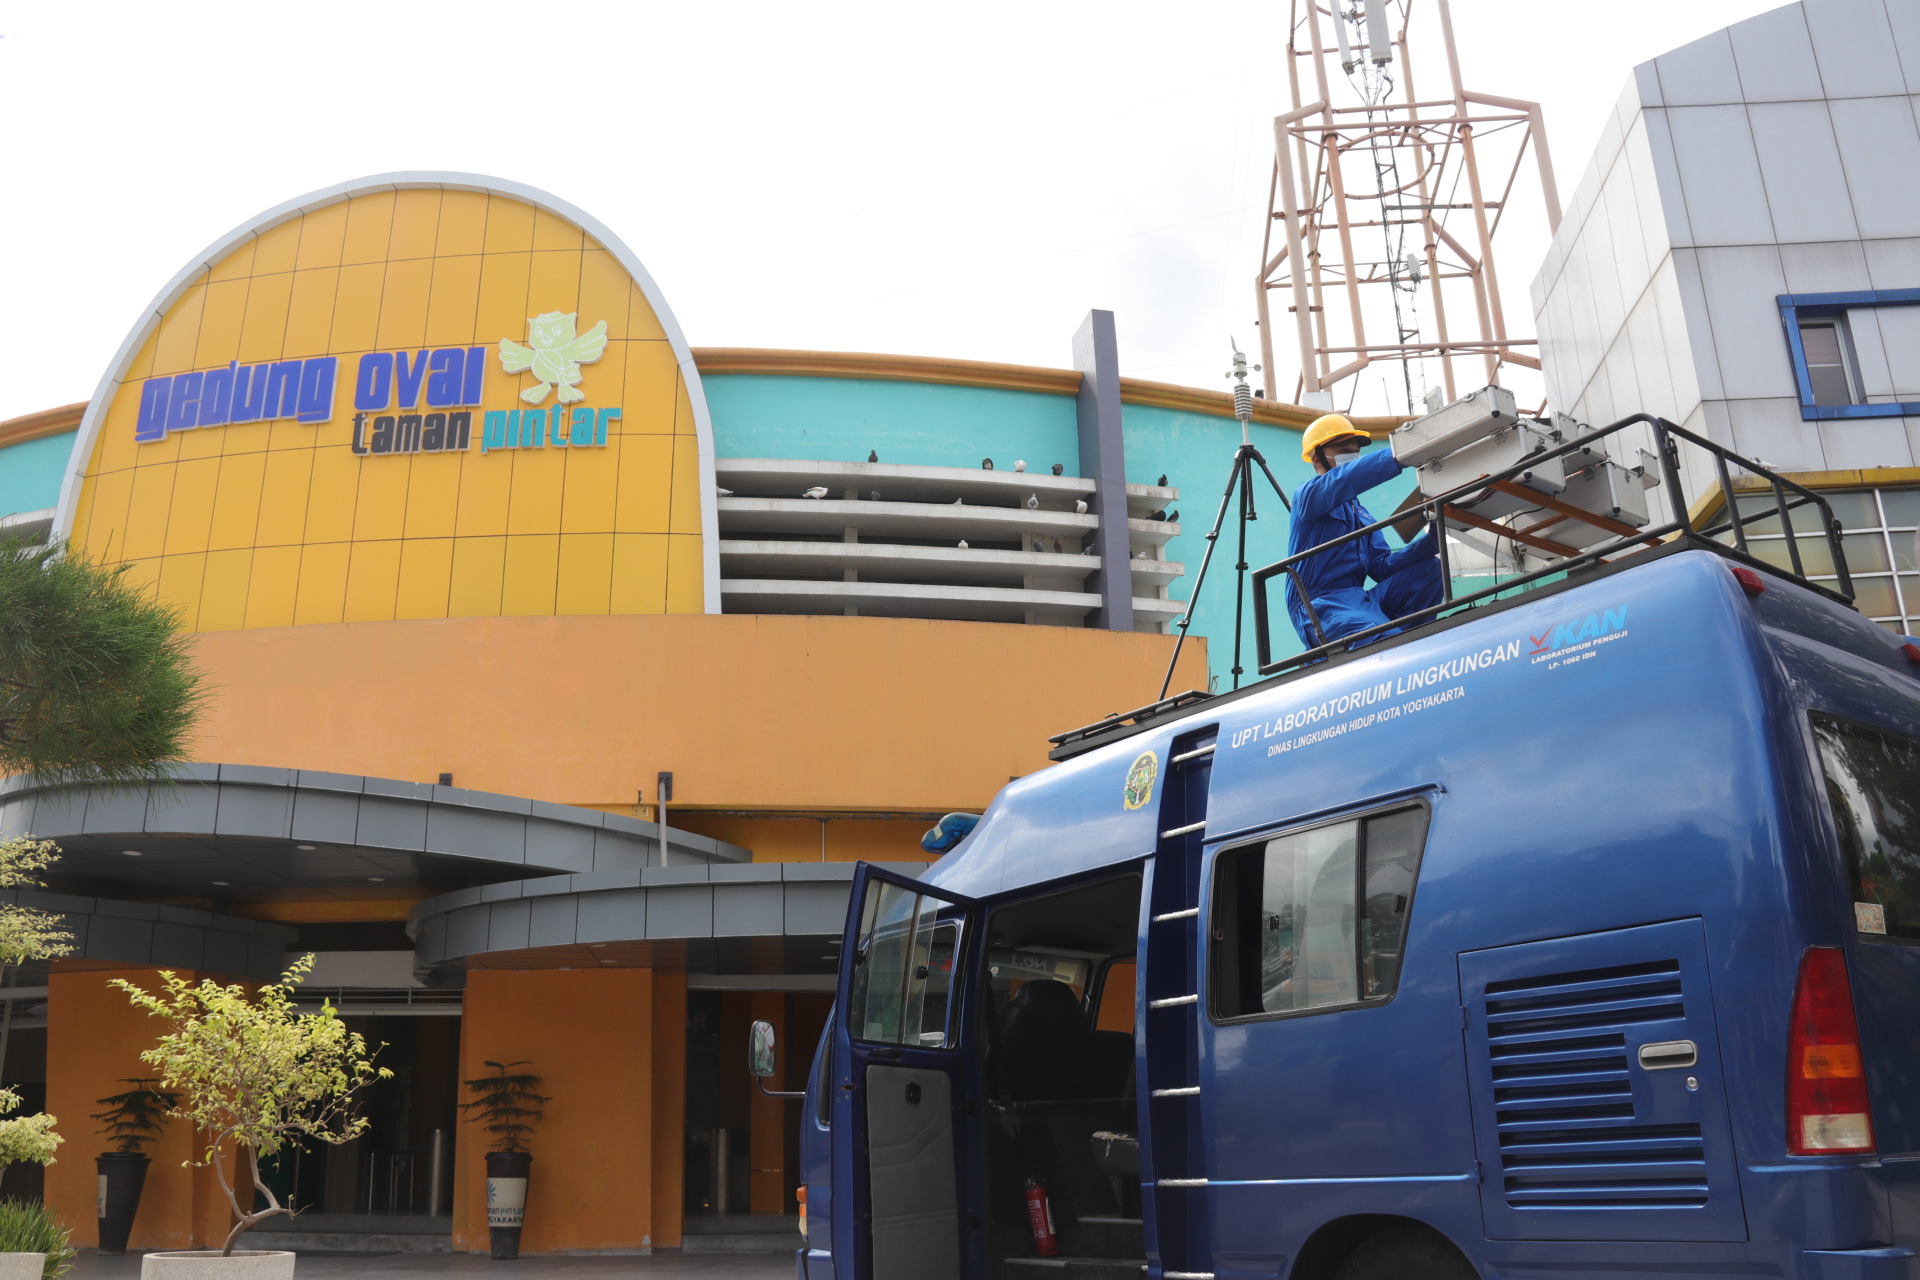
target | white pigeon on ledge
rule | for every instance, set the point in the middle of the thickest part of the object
(818, 492)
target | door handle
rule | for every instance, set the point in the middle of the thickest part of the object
(1668, 1054)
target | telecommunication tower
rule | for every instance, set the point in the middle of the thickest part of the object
(1374, 186)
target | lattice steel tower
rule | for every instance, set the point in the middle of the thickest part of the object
(1375, 186)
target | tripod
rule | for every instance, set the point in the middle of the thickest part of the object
(1239, 493)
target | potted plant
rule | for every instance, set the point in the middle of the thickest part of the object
(33, 1246)
(505, 1103)
(131, 1119)
(253, 1072)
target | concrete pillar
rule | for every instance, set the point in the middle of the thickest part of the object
(669, 1108)
(1103, 459)
(589, 1033)
(94, 1040)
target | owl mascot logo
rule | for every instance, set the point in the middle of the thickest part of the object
(555, 356)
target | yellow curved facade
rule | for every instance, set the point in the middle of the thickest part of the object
(278, 523)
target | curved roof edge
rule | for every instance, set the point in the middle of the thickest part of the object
(43, 422)
(109, 931)
(1002, 377)
(96, 407)
(656, 907)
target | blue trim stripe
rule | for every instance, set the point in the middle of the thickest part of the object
(1321, 1182)
(1795, 305)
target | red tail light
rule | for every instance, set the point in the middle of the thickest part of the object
(1826, 1084)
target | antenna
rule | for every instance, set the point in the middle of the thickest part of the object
(1374, 185)
(1239, 495)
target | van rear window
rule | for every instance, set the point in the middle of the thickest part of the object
(1315, 918)
(1873, 786)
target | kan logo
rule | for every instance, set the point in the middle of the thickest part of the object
(1574, 631)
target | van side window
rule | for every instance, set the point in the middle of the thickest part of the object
(1315, 918)
(903, 968)
(1873, 786)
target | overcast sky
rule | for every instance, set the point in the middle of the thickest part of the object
(943, 180)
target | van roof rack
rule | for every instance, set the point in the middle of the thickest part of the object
(1676, 534)
(1071, 740)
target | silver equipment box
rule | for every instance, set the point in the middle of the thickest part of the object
(1606, 489)
(1505, 449)
(1455, 427)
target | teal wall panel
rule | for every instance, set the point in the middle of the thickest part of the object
(923, 424)
(31, 472)
(1195, 452)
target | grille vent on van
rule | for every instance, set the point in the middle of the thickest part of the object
(1563, 1098)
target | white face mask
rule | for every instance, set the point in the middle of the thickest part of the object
(1342, 459)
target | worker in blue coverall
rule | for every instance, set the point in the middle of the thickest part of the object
(1329, 505)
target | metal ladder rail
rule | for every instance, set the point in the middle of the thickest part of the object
(1175, 1204)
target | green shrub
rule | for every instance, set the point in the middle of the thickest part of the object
(29, 1228)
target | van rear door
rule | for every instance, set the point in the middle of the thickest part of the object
(1599, 1109)
(903, 1082)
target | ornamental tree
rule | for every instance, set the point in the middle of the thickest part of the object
(25, 1139)
(27, 933)
(253, 1071)
(95, 681)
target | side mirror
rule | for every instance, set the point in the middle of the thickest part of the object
(760, 1050)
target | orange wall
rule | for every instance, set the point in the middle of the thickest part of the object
(598, 1170)
(94, 1039)
(754, 711)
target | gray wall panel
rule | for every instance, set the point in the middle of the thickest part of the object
(618, 851)
(430, 941)
(226, 953)
(325, 816)
(126, 910)
(254, 811)
(476, 833)
(183, 806)
(746, 910)
(820, 907)
(552, 922)
(467, 931)
(391, 824)
(613, 917)
(556, 846)
(60, 813)
(16, 818)
(680, 911)
(507, 926)
(179, 946)
(266, 960)
(129, 941)
(257, 775)
(116, 809)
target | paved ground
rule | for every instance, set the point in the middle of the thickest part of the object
(466, 1266)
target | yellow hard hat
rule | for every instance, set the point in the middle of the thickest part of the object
(1325, 428)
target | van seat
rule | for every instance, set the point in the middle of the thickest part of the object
(1049, 1053)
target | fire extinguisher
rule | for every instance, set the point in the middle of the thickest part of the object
(1040, 1216)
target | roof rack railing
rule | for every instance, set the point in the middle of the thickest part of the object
(1121, 719)
(1679, 528)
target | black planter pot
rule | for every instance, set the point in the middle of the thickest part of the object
(122, 1175)
(506, 1199)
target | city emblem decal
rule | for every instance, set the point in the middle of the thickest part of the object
(1140, 775)
(555, 356)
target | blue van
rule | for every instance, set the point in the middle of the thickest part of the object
(1575, 935)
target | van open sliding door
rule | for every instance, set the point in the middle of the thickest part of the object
(904, 1083)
